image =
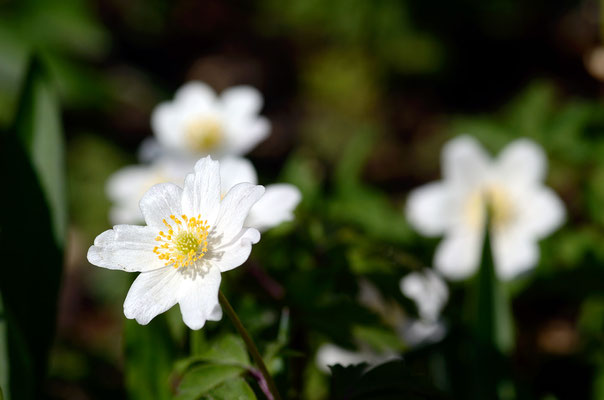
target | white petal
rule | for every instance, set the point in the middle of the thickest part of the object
(234, 170)
(159, 202)
(194, 96)
(330, 354)
(152, 293)
(428, 209)
(522, 162)
(201, 195)
(234, 254)
(514, 255)
(464, 161)
(234, 210)
(429, 292)
(126, 247)
(458, 254)
(243, 134)
(274, 207)
(241, 100)
(199, 299)
(128, 182)
(420, 331)
(540, 213)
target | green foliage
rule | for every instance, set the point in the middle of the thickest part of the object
(33, 232)
(217, 372)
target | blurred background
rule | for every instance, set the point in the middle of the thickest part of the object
(361, 96)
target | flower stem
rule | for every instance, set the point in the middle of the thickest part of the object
(251, 347)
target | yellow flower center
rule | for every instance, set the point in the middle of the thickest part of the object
(497, 200)
(184, 243)
(204, 134)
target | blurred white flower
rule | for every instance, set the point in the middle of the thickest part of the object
(430, 294)
(126, 186)
(274, 207)
(329, 354)
(191, 236)
(198, 122)
(524, 210)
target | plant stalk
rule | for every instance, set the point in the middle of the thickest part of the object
(251, 347)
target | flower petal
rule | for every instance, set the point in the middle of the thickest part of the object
(201, 195)
(464, 161)
(274, 207)
(235, 253)
(428, 209)
(234, 210)
(152, 293)
(159, 202)
(514, 255)
(199, 299)
(243, 134)
(194, 97)
(241, 100)
(458, 254)
(234, 170)
(126, 247)
(542, 212)
(522, 162)
(429, 292)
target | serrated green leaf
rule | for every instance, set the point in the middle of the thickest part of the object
(33, 231)
(200, 380)
(228, 349)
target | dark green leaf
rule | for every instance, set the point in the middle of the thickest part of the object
(149, 355)
(233, 389)
(201, 380)
(33, 231)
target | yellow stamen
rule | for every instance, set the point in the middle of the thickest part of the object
(185, 243)
(204, 134)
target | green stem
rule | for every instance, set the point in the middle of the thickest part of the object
(251, 347)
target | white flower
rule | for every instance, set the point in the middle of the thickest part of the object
(523, 209)
(191, 237)
(274, 207)
(430, 294)
(125, 187)
(329, 354)
(198, 122)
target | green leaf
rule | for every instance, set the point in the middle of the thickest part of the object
(233, 389)
(33, 232)
(201, 380)
(149, 354)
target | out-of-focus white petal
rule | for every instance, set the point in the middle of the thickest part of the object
(428, 209)
(464, 161)
(243, 134)
(124, 188)
(420, 331)
(277, 205)
(234, 209)
(194, 96)
(199, 299)
(234, 170)
(458, 254)
(541, 213)
(330, 354)
(429, 292)
(236, 252)
(159, 202)
(241, 101)
(126, 247)
(522, 162)
(514, 255)
(152, 293)
(201, 195)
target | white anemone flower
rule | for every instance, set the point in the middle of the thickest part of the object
(126, 186)
(198, 122)
(523, 209)
(191, 237)
(430, 293)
